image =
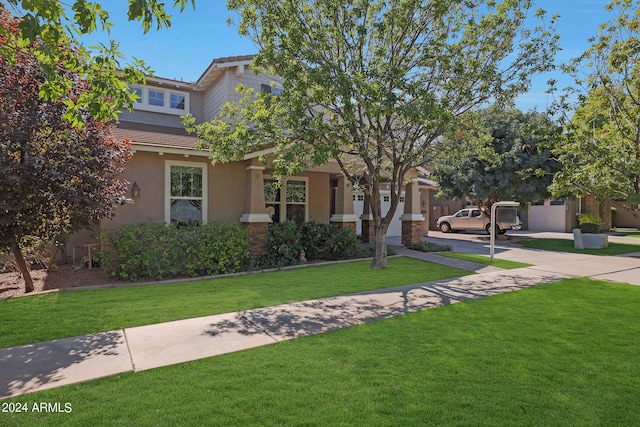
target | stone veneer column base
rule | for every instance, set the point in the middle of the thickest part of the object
(411, 229)
(345, 220)
(411, 232)
(367, 234)
(257, 238)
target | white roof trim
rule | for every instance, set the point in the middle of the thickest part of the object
(165, 149)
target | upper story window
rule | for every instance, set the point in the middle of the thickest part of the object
(137, 91)
(177, 101)
(274, 91)
(161, 100)
(156, 98)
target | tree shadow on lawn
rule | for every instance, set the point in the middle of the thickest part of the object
(311, 317)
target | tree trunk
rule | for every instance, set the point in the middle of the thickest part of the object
(22, 266)
(605, 214)
(380, 256)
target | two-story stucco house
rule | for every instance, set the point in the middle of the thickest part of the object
(173, 182)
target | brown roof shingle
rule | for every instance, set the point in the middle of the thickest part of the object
(154, 135)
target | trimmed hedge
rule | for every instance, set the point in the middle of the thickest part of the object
(290, 243)
(425, 246)
(156, 251)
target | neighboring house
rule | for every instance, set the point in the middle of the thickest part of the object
(562, 215)
(173, 182)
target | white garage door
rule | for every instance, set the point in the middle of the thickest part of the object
(395, 227)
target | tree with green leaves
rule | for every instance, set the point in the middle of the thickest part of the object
(49, 24)
(375, 84)
(600, 148)
(506, 156)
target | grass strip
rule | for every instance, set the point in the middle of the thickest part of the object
(69, 314)
(483, 259)
(566, 245)
(559, 354)
(631, 234)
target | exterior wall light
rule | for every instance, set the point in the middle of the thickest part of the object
(135, 190)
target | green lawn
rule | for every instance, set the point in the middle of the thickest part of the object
(483, 259)
(559, 354)
(562, 245)
(635, 234)
(68, 314)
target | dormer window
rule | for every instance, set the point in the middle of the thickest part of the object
(137, 91)
(161, 100)
(156, 98)
(177, 101)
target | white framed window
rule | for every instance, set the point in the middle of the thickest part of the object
(185, 193)
(156, 98)
(273, 90)
(177, 101)
(137, 91)
(290, 201)
(161, 100)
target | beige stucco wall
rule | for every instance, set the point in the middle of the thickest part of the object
(227, 186)
(319, 196)
(147, 169)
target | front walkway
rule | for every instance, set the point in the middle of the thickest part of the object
(52, 364)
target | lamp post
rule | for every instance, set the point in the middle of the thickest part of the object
(495, 206)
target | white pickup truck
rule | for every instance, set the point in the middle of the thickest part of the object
(473, 219)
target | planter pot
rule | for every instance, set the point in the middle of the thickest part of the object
(595, 241)
(589, 241)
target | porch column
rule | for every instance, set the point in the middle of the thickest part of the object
(255, 219)
(368, 234)
(412, 219)
(344, 205)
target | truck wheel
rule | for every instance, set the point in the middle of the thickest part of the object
(488, 229)
(445, 227)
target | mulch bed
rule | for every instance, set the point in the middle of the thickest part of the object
(61, 277)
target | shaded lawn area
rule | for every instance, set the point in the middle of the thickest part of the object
(486, 260)
(559, 354)
(73, 313)
(562, 245)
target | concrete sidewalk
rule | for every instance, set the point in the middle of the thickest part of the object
(52, 364)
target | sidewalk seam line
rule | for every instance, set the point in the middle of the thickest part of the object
(126, 340)
(258, 327)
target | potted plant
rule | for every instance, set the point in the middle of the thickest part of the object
(590, 227)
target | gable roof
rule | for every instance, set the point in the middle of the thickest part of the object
(218, 65)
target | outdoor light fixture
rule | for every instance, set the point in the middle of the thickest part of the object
(135, 190)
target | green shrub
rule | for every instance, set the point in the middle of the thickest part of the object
(590, 223)
(290, 243)
(342, 243)
(284, 244)
(155, 251)
(425, 246)
(314, 238)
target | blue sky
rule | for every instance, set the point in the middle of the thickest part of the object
(197, 36)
